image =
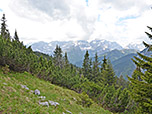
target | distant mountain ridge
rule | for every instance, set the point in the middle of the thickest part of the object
(77, 49)
(136, 46)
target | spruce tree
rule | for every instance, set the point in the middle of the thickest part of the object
(96, 69)
(66, 58)
(110, 78)
(4, 31)
(86, 64)
(58, 56)
(104, 64)
(142, 89)
(90, 70)
(107, 72)
(16, 36)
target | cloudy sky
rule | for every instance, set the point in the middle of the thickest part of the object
(123, 21)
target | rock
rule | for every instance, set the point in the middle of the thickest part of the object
(68, 111)
(44, 103)
(5, 83)
(37, 92)
(74, 99)
(53, 103)
(42, 97)
(25, 87)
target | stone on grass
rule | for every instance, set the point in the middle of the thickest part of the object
(44, 103)
(53, 103)
(37, 92)
(25, 87)
(42, 97)
(68, 111)
(5, 83)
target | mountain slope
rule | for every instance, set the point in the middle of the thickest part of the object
(15, 99)
(124, 66)
(77, 49)
(112, 55)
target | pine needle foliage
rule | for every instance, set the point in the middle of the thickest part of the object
(142, 89)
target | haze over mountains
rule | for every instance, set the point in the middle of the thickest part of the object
(119, 56)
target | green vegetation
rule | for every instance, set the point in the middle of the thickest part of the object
(95, 83)
(141, 81)
(15, 99)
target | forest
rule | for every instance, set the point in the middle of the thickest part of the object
(96, 80)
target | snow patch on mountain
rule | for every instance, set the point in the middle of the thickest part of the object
(99, 46)
(136, 46)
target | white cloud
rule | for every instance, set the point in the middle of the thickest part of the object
(115, 20)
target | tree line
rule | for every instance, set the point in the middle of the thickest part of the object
(95, 80)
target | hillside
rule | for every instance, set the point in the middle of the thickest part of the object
(15, 99)
(124, 66)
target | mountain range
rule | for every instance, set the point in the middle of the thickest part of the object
(76, 49)
(120, 57)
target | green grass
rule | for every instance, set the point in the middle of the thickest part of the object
(16, 100)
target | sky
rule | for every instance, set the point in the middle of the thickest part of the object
(123, 21)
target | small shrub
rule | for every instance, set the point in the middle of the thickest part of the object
(85, 101)
(5, 69)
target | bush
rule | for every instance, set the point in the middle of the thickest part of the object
(85, 101)
(5, 69)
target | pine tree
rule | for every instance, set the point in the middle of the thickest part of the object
(110, 77)
(66, 58)
(4, 31)
(149, 46)
(104, 64)
(142, 89)
(96, 69)
(86, 64)
(121, 82)
(90, 70)
(107, 72)
(16, 36)
(58, 56)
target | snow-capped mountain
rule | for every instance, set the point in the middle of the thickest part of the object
(139, 46)
(99, 46)
(76, 49)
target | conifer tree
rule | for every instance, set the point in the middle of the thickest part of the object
(136, 75)
(86, 64)
(4, 31)
(121, 82)
(16, 36)
(142, 89)
(90, 70)
(107, 72)
(96, 69)
(110, 74)
(58, 56)
(66, 59)
(104, 64)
